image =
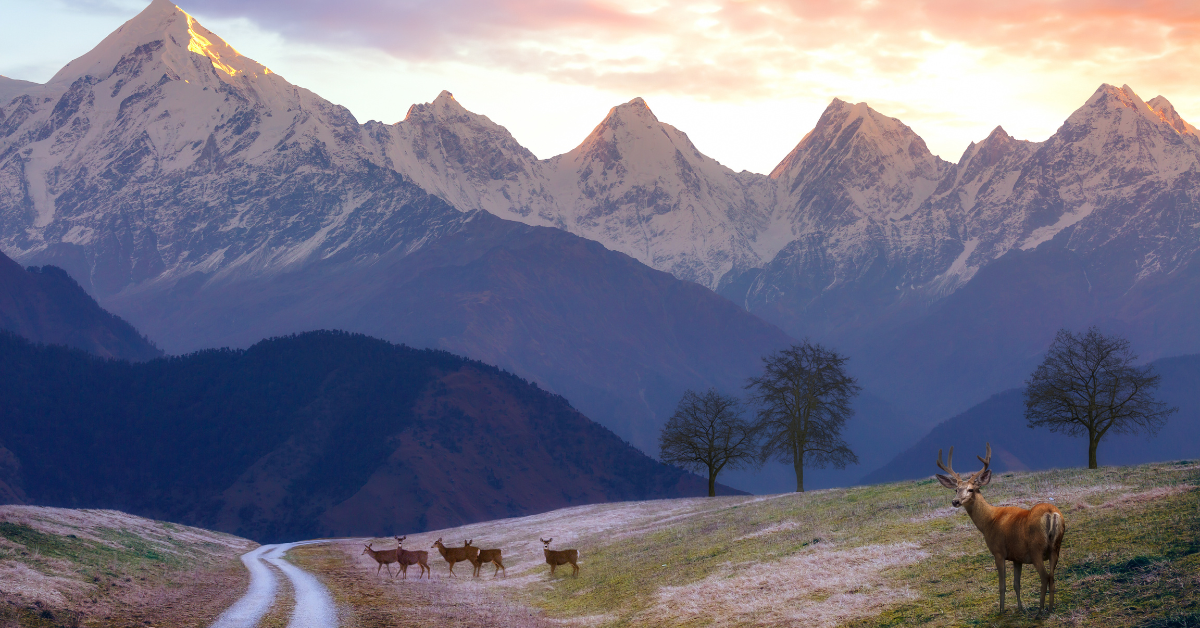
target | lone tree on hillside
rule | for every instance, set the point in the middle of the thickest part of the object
(1088, 384)
(707, 433)
(804, 397)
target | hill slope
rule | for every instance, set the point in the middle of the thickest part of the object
(61, 567)
(1001, 421)
(45, 305)
(320, 434)
(891, 555)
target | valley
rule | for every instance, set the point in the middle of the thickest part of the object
(250, 344)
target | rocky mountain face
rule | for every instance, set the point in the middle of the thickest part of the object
(203, 197)
(862, 238)
(45, 305)
(211, 203)
(636, 185)
(321, 434)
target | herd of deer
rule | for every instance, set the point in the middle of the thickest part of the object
(466, 554)
(1025, 537)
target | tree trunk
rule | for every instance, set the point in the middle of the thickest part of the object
(799, 464)
(1093, 442)
(712, 483)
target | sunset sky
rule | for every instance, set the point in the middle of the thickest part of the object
(744, 79)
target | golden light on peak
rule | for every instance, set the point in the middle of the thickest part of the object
(201, 45)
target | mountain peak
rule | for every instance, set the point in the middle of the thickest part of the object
(636, 108)
(990, 150)
(164, 30)
(1166, 111)
(842, 124)
(999, 133)
(444, 107)
(1111, 96)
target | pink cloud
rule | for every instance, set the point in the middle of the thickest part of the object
(746, 48)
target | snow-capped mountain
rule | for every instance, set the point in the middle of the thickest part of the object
(636, 185)
(207, 200)
(860, 211)
(860, 233)
(210, 202)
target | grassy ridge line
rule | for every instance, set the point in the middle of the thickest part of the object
(63, 567)
(894, 554)
(1130, 557)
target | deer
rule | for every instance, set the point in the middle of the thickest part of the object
(383, 557)
(1023, 536)
(408, 559)
(451, 554)
(554, 558)
(472, 551)
(481, 557)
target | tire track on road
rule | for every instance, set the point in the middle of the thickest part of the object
(314, 605)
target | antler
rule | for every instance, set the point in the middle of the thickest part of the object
(949, 466)
(987, 461)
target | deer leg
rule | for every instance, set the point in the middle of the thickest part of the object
(378, 568)
(552, 569)
(575, 570)
(1000, 567)
(1017, 584)
(1050, 577)
(452, 570)
(1041, 567)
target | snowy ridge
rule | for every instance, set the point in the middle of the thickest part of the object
(165, 147)
(859, 197)
(163, 151)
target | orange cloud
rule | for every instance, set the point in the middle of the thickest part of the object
(720, 49)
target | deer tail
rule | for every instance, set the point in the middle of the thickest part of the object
(1052, 525)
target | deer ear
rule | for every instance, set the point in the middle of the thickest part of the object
(984, 478)
(946, 482)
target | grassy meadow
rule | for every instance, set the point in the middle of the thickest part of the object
(884, 555)
(61, 567)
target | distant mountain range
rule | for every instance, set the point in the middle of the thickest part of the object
(321, 434)
(1000, 420)
(210, 202)
(45, 305)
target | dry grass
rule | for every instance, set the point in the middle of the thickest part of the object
(820, 587)
(886, 555)
(877, 555)
(62, 567)
(367, 600)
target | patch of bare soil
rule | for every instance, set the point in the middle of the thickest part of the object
(367, 600)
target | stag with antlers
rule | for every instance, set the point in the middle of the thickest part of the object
(1031, 536)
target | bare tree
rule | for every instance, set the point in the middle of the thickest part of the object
(707, 433)
(1088, 384)
(804, 396)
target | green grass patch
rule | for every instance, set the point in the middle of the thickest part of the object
(1131, 555)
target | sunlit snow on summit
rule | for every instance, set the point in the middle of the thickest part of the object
(726, 70)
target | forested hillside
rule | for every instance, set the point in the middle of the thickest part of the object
(45, 305)
(323, 433)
